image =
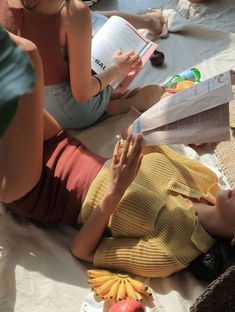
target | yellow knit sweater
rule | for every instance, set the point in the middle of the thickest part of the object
(154, 230)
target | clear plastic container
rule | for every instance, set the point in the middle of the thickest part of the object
(192, 74)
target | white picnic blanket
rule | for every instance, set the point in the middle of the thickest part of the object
(37, 271)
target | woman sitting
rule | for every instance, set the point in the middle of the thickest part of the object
(62, 31)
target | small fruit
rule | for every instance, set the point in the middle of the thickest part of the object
(116, 287)
(157, 58)
(184, 84)
(127, 306)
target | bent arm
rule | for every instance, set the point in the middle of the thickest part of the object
(125, 165)
(144, 257)
(79, 36)
(88, 238)
(137, 20)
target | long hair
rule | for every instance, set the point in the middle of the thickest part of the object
(30, 4)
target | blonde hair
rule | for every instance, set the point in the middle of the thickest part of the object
(30, 4)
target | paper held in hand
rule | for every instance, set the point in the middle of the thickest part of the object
(117, 34)
(196, 115)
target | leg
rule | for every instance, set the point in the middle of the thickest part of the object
(21, 146)
(153, 20)
(142, 100)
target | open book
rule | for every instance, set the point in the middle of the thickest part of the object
(197, 115)
(97, 20)
(117, 34)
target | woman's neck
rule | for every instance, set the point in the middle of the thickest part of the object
(211, 221)
(42, 6)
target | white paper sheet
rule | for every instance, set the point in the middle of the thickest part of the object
(195, 115)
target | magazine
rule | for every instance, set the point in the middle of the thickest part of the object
(196, 115)
(117, 34)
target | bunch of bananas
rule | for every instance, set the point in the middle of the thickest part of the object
(111, 286)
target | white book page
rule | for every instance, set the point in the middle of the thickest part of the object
(205, 127)
(116, 34)
(201, 97)
(97, 21)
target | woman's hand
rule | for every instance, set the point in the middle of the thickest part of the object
(126, 62)
(125, 164)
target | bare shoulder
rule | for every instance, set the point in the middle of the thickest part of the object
(77, 8)
(75, 16)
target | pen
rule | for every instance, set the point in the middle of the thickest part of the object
(118, 137)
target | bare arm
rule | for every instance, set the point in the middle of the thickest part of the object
(137, 20)
(153, 20)
(125, 166)
(79, 35)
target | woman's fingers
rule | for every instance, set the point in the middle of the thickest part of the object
(132, 58)
(130, 153)
(136, 61)
(136, 150)
(126, 149)
(116, 153)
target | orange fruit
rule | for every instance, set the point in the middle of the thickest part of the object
(184, 84)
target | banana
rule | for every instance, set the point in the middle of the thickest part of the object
(131, 293)
(98, 281)
(112, 294)
(95, 273)
(105, 297)
(139, 286)
(111, 286)
(147, 292)
(122, 275)
(104, 288)
(121, 294)
(139, 296)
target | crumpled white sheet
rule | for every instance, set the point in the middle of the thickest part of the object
(37, 271)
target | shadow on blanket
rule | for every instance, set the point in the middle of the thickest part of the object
(23, 255)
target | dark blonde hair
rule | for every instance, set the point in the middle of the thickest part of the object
(30, 4)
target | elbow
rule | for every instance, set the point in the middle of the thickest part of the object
(76, 252)
(81, 96)
(80, 254)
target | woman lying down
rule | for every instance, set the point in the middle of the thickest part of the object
(161, 209)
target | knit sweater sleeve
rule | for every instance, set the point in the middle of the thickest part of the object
(139, 256)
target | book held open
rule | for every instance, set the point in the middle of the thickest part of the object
(196, 115)
(118, 34)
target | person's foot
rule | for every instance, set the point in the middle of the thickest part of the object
(157, 23)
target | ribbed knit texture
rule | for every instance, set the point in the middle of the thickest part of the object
(155, 231)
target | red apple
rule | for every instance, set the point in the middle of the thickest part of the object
(127, 306)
